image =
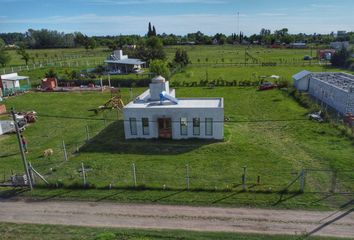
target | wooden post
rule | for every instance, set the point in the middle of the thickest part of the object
(83, 173)
(134, 175)
(31, 173)
(87, 133)
(334, 181)
(244, 179)
(109, 81)
(187, 177)
(65, 153)
(302, 180)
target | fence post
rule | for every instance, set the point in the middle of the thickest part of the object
(187, 177)
(302, 180)
(134, 175)
(65, 153)
(83, 173)
(244, 179)
(334, 181)
(87, 133)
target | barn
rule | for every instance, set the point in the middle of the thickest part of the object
(335, 89)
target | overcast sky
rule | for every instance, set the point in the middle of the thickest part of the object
(113, 17)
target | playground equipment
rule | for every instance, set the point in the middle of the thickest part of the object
(114, 102)
(165, 96)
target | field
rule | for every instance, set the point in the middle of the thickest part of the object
(268, 133)
(40, 232)
(207, 63)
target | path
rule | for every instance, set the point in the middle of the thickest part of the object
(214, 219)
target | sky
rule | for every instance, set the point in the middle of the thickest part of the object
(114, 17)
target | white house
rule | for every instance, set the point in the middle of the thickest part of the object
(334, 89)
(11, 83)
(157, 113)
(117, 63)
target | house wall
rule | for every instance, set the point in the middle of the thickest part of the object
(333, 96)
(302, 84)
(10, 84)
(217, 114)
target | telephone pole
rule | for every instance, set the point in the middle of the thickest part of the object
(23, 156)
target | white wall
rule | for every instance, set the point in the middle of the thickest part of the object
(302, 84)
(333, 96)
(217, 114)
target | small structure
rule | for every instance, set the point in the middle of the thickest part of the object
(339, 45)
(117, 63)
(157, 113)
(334, 89)
(298, 45)
(6, 126)
(325, 54)
(2, 108)
(49, 83)
(11, 84)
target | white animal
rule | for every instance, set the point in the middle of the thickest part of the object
(48, 153)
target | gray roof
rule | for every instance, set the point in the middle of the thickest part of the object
(301, 75)
(128, 61)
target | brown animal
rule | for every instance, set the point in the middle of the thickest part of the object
(48, 153)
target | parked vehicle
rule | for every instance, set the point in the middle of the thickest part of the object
(267, 86)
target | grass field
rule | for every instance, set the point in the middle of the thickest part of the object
(207, 62)
(40, 232)
(270, 135)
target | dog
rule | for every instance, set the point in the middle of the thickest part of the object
(48, 153)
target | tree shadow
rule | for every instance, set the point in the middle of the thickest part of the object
(112, 140)
(283, 199)
(11, 193)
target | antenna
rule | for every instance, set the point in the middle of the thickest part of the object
(238, 23)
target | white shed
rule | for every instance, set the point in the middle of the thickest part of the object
(302, 80)
(157, 113)
(11, 83)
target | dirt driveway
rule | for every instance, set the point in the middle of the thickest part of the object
(214, 219)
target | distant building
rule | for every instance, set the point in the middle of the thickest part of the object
(157, 113)
(297, 45)
(325, 54)
(117, 63)
(334, 89)
(341, 33)
(12, 83)
(339, 45)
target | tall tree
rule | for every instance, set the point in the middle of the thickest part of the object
(24, 55)
(4, 57)
(149, 34)
(154, 31)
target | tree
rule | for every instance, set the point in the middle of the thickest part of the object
(159, 67)
(4, 57)
(149, 34)
(181, 57)
(24, 55)
(51, 74)
(342, 58)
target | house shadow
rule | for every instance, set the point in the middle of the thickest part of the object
(112, 140)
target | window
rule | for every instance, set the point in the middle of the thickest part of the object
(184, 126)
(133, 128)
(145, 122)
(196, 126)
(208, 126)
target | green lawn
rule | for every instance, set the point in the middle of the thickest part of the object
(274, 150)
(40, 232)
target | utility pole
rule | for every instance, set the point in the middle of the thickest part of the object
(23, 156)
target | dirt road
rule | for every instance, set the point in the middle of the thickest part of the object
(339, 224)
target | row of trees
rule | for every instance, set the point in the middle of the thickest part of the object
(53, 39)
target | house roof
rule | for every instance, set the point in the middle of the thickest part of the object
(12, 77)
(128, 61)
(183, 103)
(301, 75)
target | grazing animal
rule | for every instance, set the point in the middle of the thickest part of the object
(48, 153)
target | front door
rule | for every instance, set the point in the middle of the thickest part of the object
(165, 128)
